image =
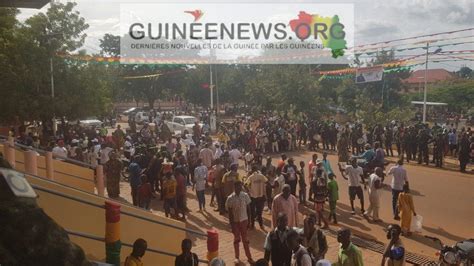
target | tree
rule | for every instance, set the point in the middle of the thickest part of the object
(110, 45)
(26, 50)
(465, 72)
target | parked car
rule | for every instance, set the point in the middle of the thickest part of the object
(90, 122)
(141, 117)
(182, 122)
(130, 111)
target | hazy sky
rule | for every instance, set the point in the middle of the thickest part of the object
(375, 20)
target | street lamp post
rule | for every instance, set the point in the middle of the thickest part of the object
(426, 81)
(52, 93)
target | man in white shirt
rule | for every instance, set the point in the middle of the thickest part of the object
(206, 155)
(355, 174)
(59, 151)
(104, 153)
(200, 180)
(375, 184)
(256, 184)
(235, 155)
(399, 178)
(238, 206)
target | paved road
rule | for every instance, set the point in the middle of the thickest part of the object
(444, 198)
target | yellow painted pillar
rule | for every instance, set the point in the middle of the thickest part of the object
(99, 174)
(49, 165)
(9, 148)
(31, 162)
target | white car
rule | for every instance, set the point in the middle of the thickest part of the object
(90, 122)
(182, 122)
(141, 117)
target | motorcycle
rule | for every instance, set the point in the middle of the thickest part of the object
(462, 253)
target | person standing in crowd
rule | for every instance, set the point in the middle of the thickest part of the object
(219, 172)
(180, 192)
(395, 250)
(302, 183)
(256, 186)
(453, 142)
(399, 178)
(248, 160)
(229, 179)
(313, 238)
(375, 184)
(311, 164)
(282, 162)
(118, 137)
(186, 258)
(464, 151)
(326, 164)
(200, 182)
(235, 155)
(289, 172)
(355, 175)
(134, 170)
(112, 171)
(169, 195)
(238, 206)
(59, 151)
(286, 203)
(196, 133)
(145, 193)
(320, 195)
(170, 146)
(406, 209)
(300, 256)
(276, 249)
(333, 195)
(206, 156)
(270, 173)
(349, 254)
(423, 139)
(388, 140)
(138, 251)
(277, 185)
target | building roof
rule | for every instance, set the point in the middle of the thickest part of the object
(433, 75)
(24, 3)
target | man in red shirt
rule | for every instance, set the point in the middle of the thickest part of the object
(282, 162)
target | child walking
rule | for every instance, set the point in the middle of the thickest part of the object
(333, 192)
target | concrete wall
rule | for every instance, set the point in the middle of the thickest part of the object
(84, 218)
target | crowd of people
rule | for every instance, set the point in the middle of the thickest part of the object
(236, 169)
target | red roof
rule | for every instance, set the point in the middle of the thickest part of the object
(432, 75)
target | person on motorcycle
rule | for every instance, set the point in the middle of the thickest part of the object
(367, 156)
(378, 160)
